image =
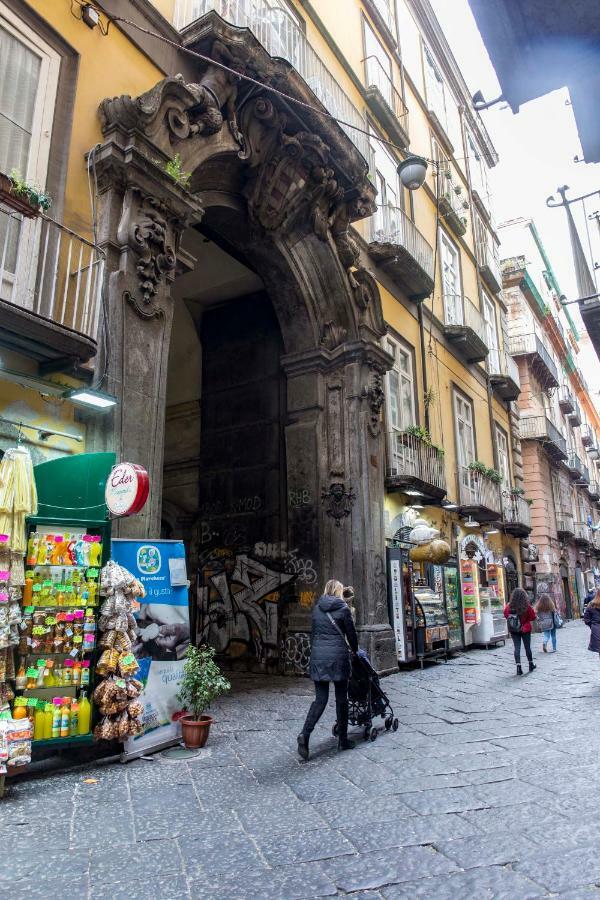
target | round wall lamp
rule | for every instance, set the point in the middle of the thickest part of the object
(412, 172)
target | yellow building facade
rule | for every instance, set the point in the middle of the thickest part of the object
(404, 286)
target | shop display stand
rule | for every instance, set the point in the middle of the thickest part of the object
(54, 525)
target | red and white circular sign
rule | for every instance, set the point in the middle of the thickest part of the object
(127, 489)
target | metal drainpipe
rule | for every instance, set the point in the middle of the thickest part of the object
(423, 358)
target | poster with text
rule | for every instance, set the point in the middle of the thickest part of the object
(163, 633)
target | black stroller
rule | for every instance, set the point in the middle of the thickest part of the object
(366, 699)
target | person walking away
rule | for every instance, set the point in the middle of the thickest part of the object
(333, 632)
(591, 617)
(545, 609)
(519, 615)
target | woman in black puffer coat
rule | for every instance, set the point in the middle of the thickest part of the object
(332, 632)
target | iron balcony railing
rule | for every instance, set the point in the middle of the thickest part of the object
(459, 310)
(574, 417)
(565, 399)
(584, 478)
(529, 344)
(391, 225)
(541, 428)
(281, 36)
(588, 436)
(565, 524)
(476, 489)
(574, 465)
(50, 270)
(583, 532)
(412, 457)
(594, 489)
(501, 363)
(488, 258)
(377, 77)
(515, 509)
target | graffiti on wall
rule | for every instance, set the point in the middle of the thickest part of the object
(291, 563)
(295, 653)
(238, 604)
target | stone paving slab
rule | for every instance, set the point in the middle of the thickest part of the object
(487, 790)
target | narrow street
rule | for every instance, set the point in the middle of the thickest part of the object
(487, 790)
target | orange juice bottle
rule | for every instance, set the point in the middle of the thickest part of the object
(28, 589)
(74, 729)
(85, 714)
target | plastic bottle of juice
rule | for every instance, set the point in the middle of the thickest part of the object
(20, 708)
(77, 673)
(49, 678)
(32, 548)
(67, 673)
(65, 717)
(28, 589)
(38, 721)
(85, 714)
(48, 714)
(56, 717)
(74, 717)
(85, 673)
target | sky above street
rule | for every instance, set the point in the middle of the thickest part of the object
(537, 149)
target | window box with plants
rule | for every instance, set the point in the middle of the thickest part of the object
(480, 470)
(202, 683)
(417, 431)
(23, 197)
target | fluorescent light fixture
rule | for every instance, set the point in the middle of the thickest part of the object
(91, 399)
(417, 506)
(413, 493)
(447, 504)
(491, 531)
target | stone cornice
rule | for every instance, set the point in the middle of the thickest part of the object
(324, 361)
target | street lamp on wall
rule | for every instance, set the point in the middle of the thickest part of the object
(412, 172)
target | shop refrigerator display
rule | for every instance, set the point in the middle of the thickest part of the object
(456, 640)
(417, 607)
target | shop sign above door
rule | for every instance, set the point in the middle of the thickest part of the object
(127, 489)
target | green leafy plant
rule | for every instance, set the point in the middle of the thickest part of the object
(494, 476)
(423, 435)
(33, 193)
(478, 468)
(202, 681)
(174, 170)
(528, 501)
(517, 491)
(429, 397)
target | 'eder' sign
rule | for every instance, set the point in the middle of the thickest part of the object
(127, 489)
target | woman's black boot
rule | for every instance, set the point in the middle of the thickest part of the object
(519, 669)
(532, 665)
(303, 745)
(342, 721)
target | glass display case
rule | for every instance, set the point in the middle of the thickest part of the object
(456, 639)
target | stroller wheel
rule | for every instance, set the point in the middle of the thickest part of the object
(388, 723)
(335, 730)
(395, 725)
(374, 734)
(367, 732)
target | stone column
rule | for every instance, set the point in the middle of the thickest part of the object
(142, 214)
(335, 478)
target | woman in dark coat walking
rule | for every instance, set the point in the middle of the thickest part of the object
(591, 617)
(333, 632)
(518, 608)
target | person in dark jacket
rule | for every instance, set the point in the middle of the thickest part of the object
(520, 608)
(333, 632)
(591, 617)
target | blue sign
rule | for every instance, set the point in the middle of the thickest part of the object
(154, 563)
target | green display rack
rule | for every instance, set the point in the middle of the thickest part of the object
(71, 494)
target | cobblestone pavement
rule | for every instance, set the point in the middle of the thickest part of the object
(489, 789)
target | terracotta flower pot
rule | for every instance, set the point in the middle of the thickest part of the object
(195, 731)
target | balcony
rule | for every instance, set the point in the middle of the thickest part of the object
(415, 465)
(50, 290)
(588, 437)
(583, 534)
(397, 245)
(478, 496)
(542, 364)
(516, 514)
(584, 478)
(464, 327)
(574, 466)
(574, 418)
(385, 101)
(565, 526)
(504, 375)
(489, 266)
(540, 428)
(593, 490)
(281, 36)
(565, 400)
(451, 207)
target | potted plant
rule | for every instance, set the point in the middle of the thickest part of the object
(21, 196)
(202, 683)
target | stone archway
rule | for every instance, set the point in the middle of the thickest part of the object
(283, 191)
